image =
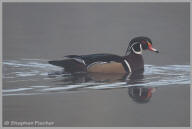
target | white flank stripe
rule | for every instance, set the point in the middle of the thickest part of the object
(128, 66)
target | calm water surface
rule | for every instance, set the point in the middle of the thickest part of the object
(35, 76)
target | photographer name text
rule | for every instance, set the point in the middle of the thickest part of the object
(28, 123)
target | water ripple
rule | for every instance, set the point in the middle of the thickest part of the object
(32, 76)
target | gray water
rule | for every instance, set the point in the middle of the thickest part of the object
(34, 90)
(33, 76)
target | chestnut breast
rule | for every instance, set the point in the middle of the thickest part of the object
(136, 62)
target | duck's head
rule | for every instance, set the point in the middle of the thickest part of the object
(137, 44)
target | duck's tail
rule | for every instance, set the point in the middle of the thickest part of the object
(69, 65)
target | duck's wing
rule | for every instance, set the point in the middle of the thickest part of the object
(79, 63)
(94, 58)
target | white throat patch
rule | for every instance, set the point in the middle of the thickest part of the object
(138, 52)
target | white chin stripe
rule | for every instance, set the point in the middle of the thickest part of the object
(128, 66)
(138, 52)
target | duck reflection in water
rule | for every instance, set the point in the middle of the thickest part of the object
(139, 94)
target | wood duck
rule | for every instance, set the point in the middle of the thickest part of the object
(131, 62)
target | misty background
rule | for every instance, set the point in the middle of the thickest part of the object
(53, 30)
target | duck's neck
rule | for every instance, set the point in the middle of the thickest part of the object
(135, 48)
(133, 52)
(135, 60)
(137, 52)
